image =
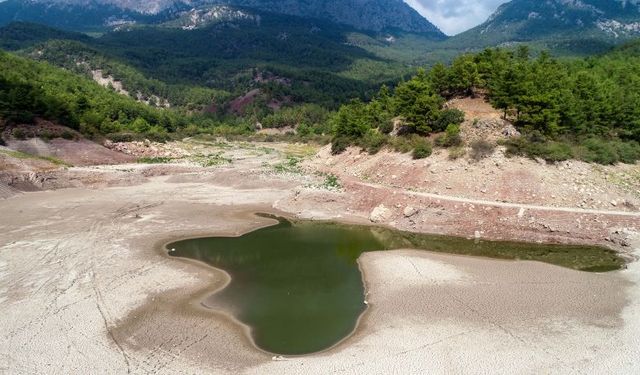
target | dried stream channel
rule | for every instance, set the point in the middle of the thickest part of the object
(298, 284)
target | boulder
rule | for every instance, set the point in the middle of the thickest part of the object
(379, 214)
(410, 211)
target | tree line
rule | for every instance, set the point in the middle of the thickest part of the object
(587, 109)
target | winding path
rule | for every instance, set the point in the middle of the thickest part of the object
(500, 204)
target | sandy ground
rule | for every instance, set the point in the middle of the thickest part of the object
(86, 288)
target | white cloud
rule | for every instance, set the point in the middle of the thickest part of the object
(455, 16)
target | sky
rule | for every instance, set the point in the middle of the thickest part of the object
(455, 16)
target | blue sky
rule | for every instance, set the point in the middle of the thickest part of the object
(455, 16)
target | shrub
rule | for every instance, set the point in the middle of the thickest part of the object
(456, 152)
(331, 182)
(451, 137)
(68, 135)
(421, 149)
(598, 151)
(2, 142)
(448, 117)
(46, 135)
(386, 127)
(555, 151)
(481, 149)
(628, 152)
(339, 145)
(19, 134)
(373, 142)
(401, 144)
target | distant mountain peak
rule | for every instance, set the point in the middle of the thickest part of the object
(372, 15)
(534, 20)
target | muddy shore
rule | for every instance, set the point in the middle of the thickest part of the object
(86, 287)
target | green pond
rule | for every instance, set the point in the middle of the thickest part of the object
(298, 285)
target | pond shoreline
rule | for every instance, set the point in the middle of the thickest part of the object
(271, 219)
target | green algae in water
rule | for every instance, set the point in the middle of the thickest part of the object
(299, 288)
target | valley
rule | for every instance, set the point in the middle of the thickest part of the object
(318, 186)
(97, 242)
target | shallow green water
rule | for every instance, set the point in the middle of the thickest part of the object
(299, 286)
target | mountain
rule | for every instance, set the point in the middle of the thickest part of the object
(370, 15)
(557, 24)
(70, 15)
(376, 15)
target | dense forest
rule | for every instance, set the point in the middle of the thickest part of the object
(31, 89)
(587, 108)
(315, 62)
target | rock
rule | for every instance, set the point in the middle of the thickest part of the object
(614, 203)
(379, 214)
(510, 131)
(410, 211)
(521, 212)
(476, 234)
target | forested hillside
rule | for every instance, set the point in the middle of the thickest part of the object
(587, 109)
(31, 90)
(302, 62)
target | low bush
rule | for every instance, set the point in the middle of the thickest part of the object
(556, 151)
(421, 149)
(339, 145)
(599, 151)
(628, 152)
(68, 135)
(373, 142)
(592, 150)
(481, 149)
(331, 182)
(451, 137)
(19, 134)
(456, 152)
(386, 127)
(401, 144)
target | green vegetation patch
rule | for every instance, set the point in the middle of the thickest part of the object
(291, 165)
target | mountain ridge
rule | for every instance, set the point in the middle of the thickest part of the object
(370, 15)
(531, 20)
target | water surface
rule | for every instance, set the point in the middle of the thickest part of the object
(298, 285)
